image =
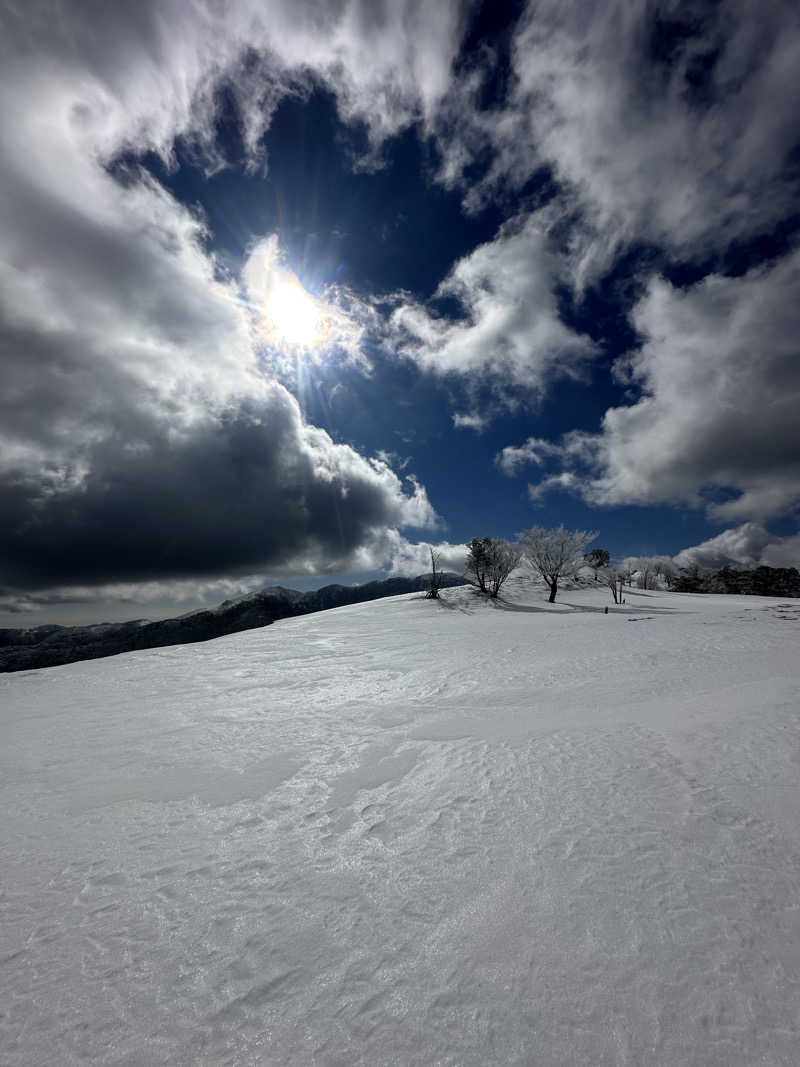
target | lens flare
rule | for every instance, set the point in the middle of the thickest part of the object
(293, 313)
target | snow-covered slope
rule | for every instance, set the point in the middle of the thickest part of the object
(408, 833)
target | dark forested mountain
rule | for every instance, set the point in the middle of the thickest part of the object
(47, 646)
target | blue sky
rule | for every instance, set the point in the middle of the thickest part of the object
(291, 291)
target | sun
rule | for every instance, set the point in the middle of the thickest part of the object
(293, 313)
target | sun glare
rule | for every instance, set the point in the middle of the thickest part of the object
(293, 313)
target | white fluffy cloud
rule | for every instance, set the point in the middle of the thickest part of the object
(536, 450)
(748, 545)
(511, 335)
(414, 558)
(719, 380)
(719, 372)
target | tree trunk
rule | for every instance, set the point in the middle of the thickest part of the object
(553, 591)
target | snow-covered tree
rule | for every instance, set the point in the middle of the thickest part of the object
(555, 552)
(596, 559)
(649, 571)
(613, 579)
(490, 560)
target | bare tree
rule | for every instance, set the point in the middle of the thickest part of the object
(490, 561)
(611, 578)
(436, 576)
(553, 553)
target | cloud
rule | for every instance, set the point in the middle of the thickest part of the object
(510, 335)
(159, 593)
(287, 320)
(137, 75)
(719, 372)
(565, 480)
(414, 558)
(142, 440)
(740, 546)
(535, 450)
(746, 546)
(719, 379)
(470, 420)
(671, 124)
(252, 488)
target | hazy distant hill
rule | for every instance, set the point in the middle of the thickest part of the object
(48, 646)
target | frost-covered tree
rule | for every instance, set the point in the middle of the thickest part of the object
(647, 570)
(597, 559)
(490, 560)
(611, 578)
(553, 553)
(504, 558)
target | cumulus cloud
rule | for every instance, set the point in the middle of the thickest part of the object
(409, 558)
(719, 379)
(141, 439)
(510, 335)
(253, 487)
(719, 372)
(745, 546)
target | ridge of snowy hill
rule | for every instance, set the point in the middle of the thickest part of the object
(47, 646)
(411, 832)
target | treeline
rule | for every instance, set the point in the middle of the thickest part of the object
(762, 581)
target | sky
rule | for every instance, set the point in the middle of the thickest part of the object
(290, 291)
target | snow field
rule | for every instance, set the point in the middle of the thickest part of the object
(409, 833)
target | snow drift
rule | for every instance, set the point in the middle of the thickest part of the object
(412, 833)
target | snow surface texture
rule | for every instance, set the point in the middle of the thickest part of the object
(412, 833)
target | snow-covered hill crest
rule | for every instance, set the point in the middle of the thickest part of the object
(412, 832)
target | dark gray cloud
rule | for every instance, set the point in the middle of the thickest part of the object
(253, 488)
(140, 440)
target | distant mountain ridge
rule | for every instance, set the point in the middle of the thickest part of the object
(49, 646)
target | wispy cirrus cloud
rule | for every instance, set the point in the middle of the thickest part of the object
(670, 124)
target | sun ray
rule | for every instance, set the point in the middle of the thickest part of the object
(293, 314)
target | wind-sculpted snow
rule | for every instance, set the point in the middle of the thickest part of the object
(412, 833)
